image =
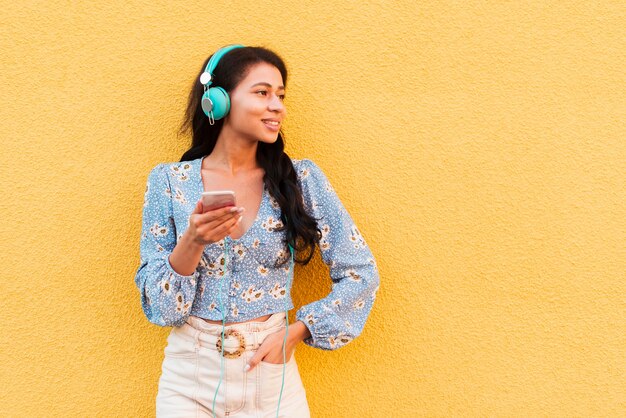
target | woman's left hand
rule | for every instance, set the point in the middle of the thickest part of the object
(271, 350)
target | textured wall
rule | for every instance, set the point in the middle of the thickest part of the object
(479, 147)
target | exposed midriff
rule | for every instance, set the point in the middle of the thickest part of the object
(259, 319)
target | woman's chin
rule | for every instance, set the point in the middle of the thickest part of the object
(269, 140)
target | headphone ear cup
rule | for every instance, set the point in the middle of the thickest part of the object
(205, 102)
(220, 100)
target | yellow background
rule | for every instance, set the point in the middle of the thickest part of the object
(479, 146)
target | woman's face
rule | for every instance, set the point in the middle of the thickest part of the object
(256, 104)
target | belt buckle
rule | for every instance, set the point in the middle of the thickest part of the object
(242, 343)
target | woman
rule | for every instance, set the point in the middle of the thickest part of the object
(222, 278)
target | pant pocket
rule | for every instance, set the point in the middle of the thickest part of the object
(177, 389)
(293, 402)
(271, 380)
(180, 346)
(278, 366)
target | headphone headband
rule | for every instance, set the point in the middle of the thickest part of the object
(207, 76)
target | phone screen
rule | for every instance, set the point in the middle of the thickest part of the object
(216, 200)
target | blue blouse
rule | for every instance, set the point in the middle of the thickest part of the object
(255, 276)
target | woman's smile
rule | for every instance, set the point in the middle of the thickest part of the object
(272, 124)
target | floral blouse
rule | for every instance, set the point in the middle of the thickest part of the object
(257, 268)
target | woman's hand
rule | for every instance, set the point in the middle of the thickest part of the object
(213, 225)
(271, 350)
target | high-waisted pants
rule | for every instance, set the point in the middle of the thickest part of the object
(191, 373)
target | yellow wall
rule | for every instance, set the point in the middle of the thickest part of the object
(480, 149)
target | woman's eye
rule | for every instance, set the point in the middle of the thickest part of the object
(262, 91)
(282, 97)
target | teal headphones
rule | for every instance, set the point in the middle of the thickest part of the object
(215, 101)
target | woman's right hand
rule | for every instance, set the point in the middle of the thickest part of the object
(213, 225)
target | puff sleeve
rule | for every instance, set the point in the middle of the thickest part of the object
(340, 317)
(166, 296)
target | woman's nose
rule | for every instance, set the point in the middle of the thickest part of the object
(276, 104)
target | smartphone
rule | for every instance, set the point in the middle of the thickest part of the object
(217, 199)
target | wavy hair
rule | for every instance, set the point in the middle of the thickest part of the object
(280, 176)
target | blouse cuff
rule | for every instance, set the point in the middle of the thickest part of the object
(319, 325)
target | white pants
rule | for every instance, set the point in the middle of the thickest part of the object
(191, 373)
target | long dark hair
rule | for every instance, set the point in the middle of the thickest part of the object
(280, 176)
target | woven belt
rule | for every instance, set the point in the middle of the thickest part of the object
(242, 343)
(249, 338)
(215, 342)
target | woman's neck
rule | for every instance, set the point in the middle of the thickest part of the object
(232, 155)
